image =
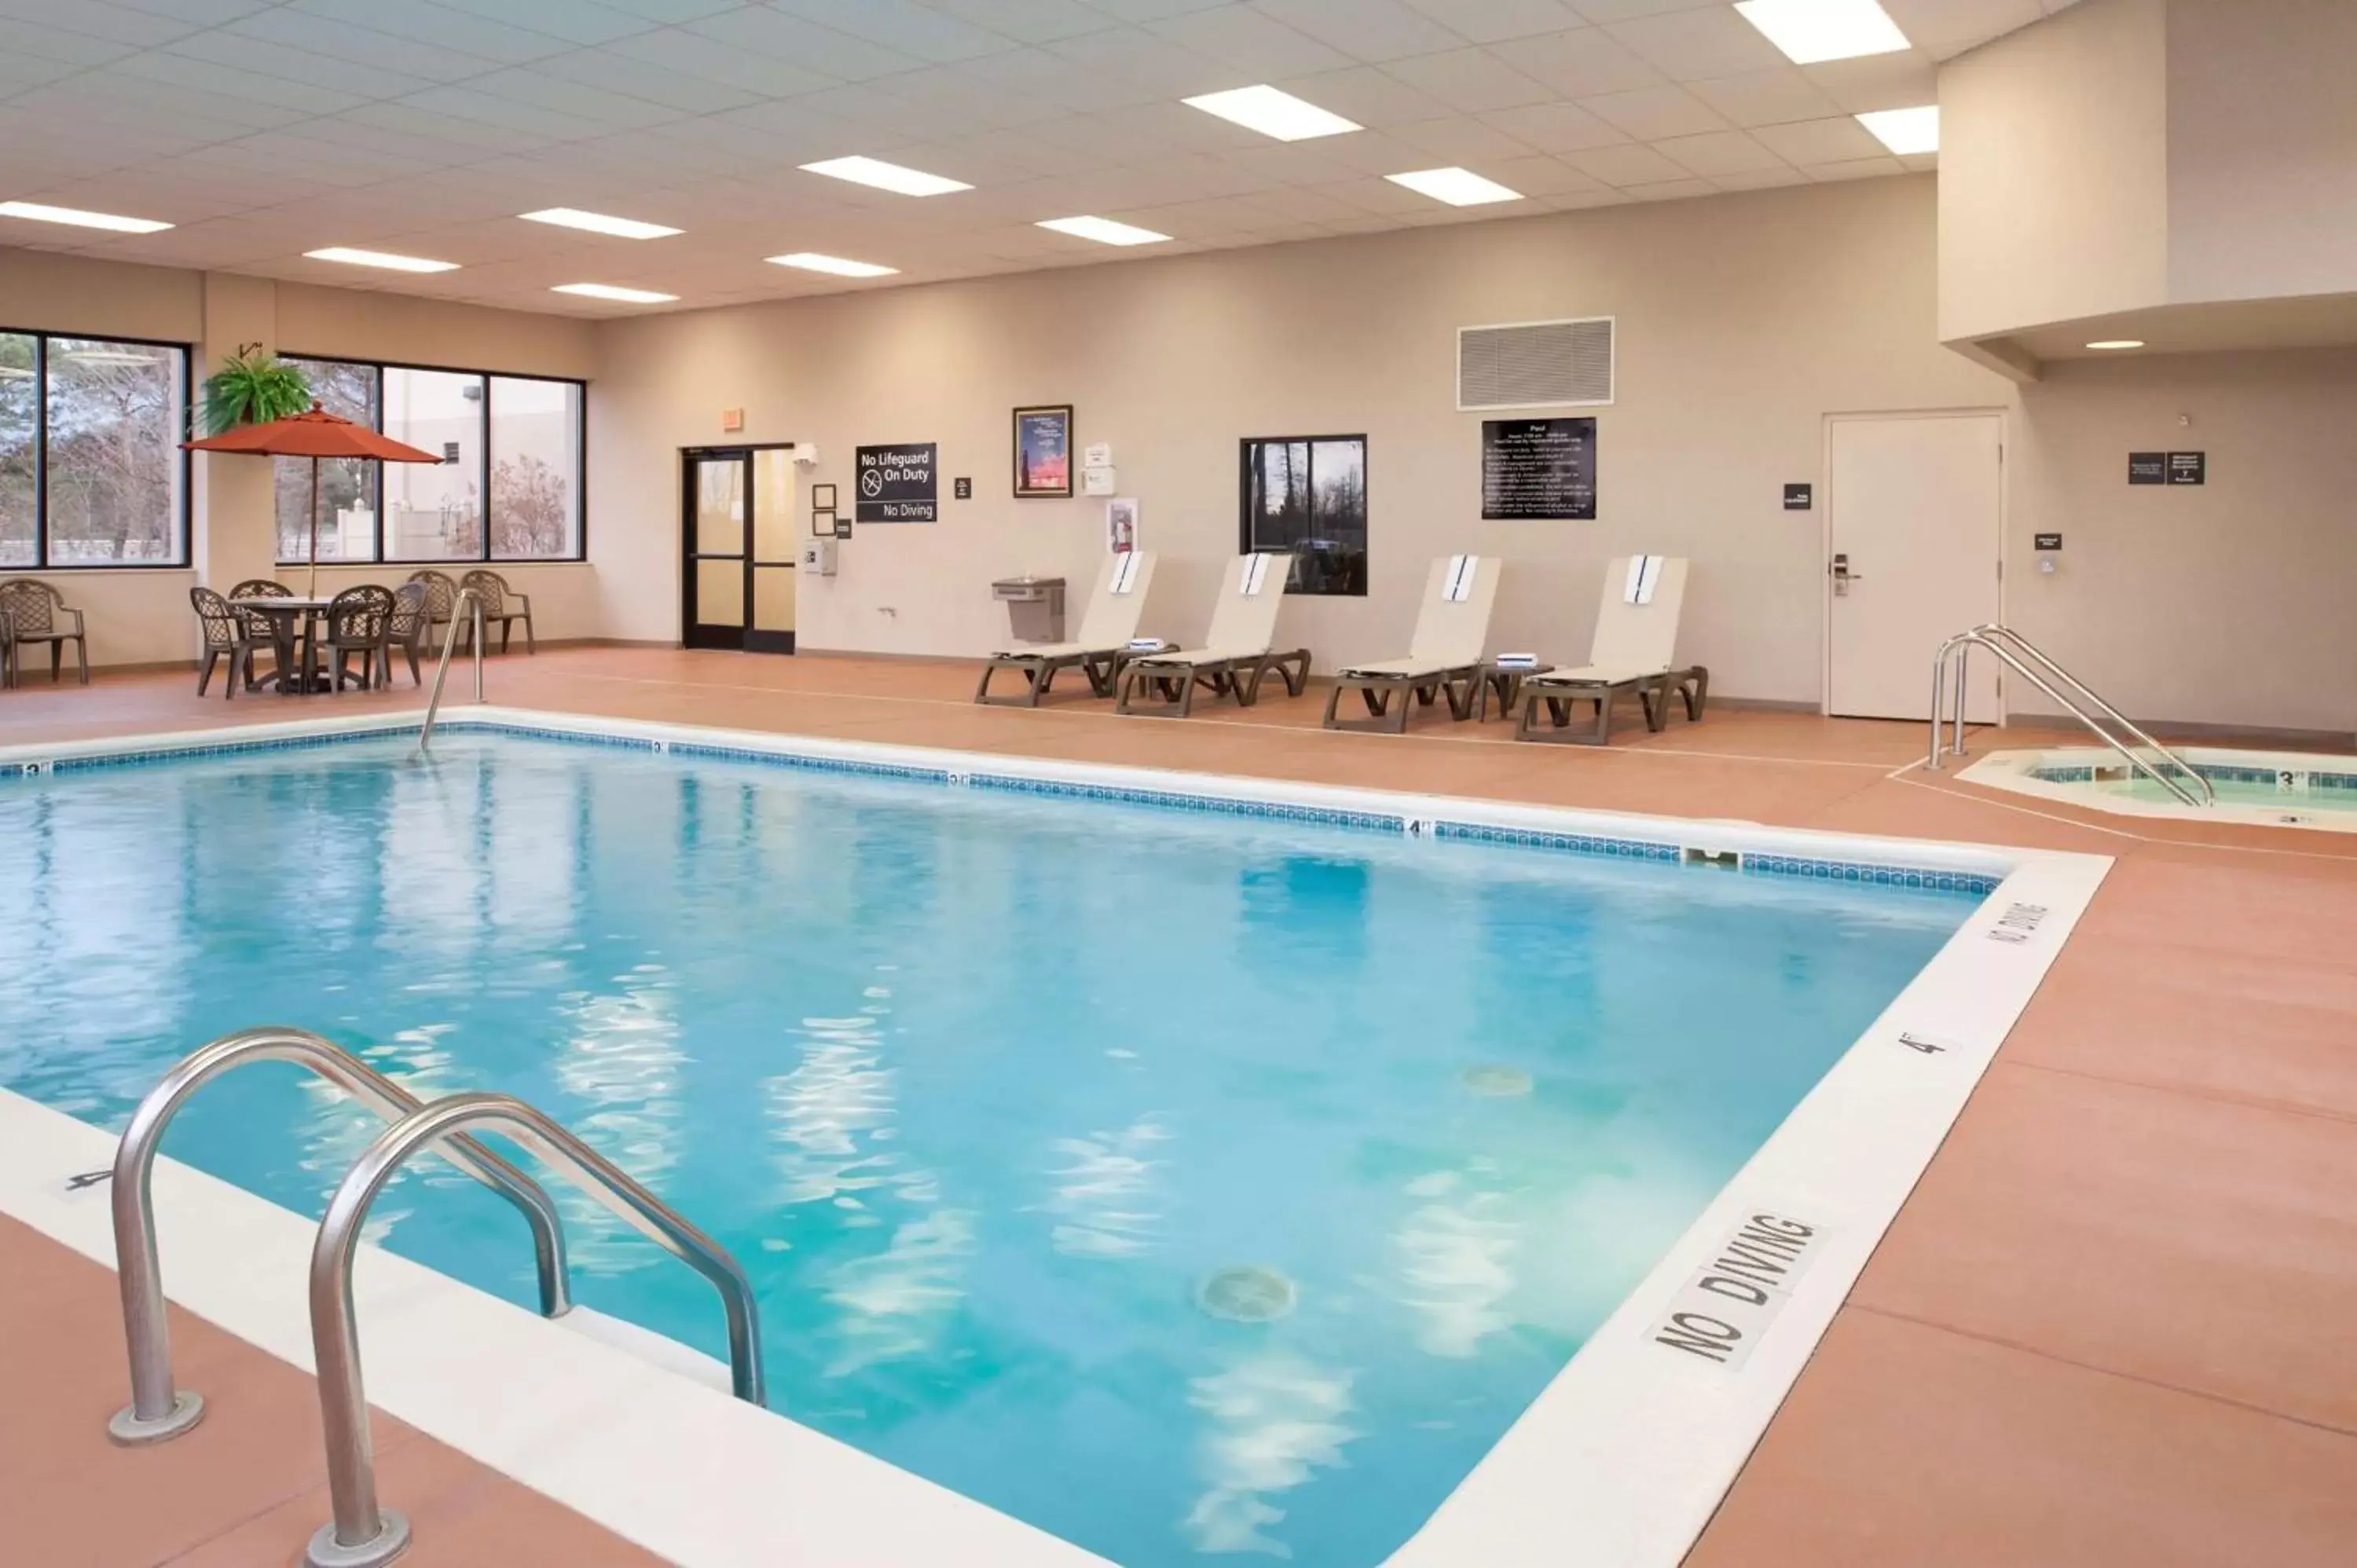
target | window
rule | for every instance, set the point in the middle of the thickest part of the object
(348, 486)
(1308, 495)
(511, 456)
(92, 473)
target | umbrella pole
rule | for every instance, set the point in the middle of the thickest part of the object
(312, 590)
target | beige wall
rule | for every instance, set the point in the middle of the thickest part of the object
(140, 616)
(2054, 178)
(1742, 321)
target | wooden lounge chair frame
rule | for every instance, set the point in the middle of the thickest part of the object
(1100, 652)
(1445, 654)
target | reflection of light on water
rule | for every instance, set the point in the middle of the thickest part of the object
(1272, 1422)
(334, 1129)
(1100, 1193)
(895, 1302)
(1454, 1254)
(840, 1095)
(624, 1059)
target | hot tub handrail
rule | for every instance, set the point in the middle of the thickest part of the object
(2023, 657)
(465, 597)
(362, 1535)
(157, 1411)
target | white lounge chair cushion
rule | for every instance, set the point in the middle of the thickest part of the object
(1059, 651)
(1403, 669)
(1593, 675)
(1203, 656)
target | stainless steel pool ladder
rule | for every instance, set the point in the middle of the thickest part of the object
(361, 1534)
(2027, 660)
(466, 597)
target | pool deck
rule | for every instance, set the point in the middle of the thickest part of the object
(2113, 1326)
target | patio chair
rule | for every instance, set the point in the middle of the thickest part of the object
(277, 632)
(1633, 650)
(232, 634)
(35, 612)
(408, 629)
(1106, 627)
(1236, 654)
(358, 622)
(441, 598)
(503, 607)
(1444, 652)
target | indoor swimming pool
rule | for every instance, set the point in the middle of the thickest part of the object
(2277, 788)
(1186, 1184)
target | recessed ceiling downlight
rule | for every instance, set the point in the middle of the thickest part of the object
(614, 292)
(387, 260)
(40, 212)
(1811, 31)
(2109, 345)
(1272, 113)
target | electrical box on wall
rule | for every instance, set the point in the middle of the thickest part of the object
(818, 557)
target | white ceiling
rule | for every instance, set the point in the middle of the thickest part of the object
(265, 128)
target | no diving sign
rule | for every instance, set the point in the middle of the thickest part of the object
(898, 484)
(1724, 1309)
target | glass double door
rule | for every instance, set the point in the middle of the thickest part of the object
(739, 537)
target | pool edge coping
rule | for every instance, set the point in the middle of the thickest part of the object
(2015, 772)
(1573, 1478)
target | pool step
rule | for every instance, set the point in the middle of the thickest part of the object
(656, 1349)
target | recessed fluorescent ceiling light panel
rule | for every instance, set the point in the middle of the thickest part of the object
(1905, 130)
(1457, 186)
(2108, 344)
(1813, 31)
(1273, 114)
(78, 219)
(811, 262)
(384, 259)
(598, 224)
(613, 292)
(886, 176)
(1104, 230)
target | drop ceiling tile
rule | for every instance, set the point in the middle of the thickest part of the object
(1458, 140)
(671, 11)
(1470, 79)
(1556, 128)
(1625, 166)
(200, 13)
(1764, 97)
(467, 108)
(1651, 113)
(1601, 11)
(1759, 178)
(1148, 131)
(947, 101)
(1372, 30)
(1381, 153)
(1578, 200)
(806, 46)
(1718, 153)
(1819, 141)
(1919, 163)
(1300, 163)
(1156, 66)
(692, 54)
(1373, 98)
(1262, 46)
(1492, 21)
(1878, 82)
(1052, 79)
(598, 107)
(19, 72)
(354, 45)
(1581, 63)
(102, 20)
(903, 25)
(1540, 176)
(1669, 191)
(445, 31)
(611, 72)
(1693, 45)
(1856, 168)
(242, 52)
(1941, 27)
(578, 22)
(409, 121)
(1028, 21)
(46, 42)
(254, 87)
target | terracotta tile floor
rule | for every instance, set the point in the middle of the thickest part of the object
(2112, 1326)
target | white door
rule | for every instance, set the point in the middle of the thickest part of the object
(1914, 520)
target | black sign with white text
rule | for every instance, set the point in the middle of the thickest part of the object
(898, 484)
(1800, 498)
(2148, 467)
(2189, 467)
(1538, 468)
(2050, 542)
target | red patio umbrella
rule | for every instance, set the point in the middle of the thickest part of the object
(315, 434)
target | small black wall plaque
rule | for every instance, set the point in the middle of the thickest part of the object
(1800, 498)
(2148, 467)
(961, 489)
(898, 484)
(2189, 467)
(1538, 468)
(2050, 542)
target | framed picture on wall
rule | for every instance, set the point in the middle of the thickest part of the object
(822, 523)
(822, 497)
(1043, 452)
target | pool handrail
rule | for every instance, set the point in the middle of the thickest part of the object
(2018, 654)
(157, 1411)
(442, 667)
(360, 1534)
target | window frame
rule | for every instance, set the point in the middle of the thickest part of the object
(580, 551)
(1244, 545)
(180, 559)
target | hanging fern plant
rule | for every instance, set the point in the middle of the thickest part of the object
(253, 386)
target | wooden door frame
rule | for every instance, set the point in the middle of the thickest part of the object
(1826, 531)
(750, 639)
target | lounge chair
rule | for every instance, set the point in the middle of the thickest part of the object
(1634, 649)
(1444, 656)
(1236, 655)
(1107, 627)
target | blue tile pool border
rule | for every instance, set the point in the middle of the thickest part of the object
(1753, 863)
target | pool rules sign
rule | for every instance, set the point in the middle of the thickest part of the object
(898, 484)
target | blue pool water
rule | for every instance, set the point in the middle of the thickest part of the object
(1025, 1115)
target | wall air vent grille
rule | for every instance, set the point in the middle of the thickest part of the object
(1535, 364)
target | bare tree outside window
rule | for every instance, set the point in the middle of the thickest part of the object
(19, 429)
(112, 468)
(348, 486)
(1307, 495)
(536, 459)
